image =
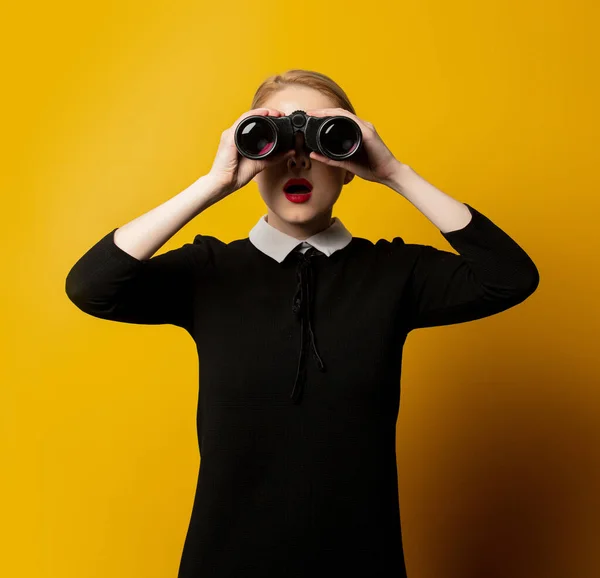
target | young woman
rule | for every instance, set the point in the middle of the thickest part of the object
(299, 329)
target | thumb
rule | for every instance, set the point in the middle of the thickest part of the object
(279, 157)
(332, 163)
(272, 160)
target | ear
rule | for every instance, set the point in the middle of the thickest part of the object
(348, 177)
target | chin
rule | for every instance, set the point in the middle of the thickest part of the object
(300, 213)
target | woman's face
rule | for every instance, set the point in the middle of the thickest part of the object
(300, 220)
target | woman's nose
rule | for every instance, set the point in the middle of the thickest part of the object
(301, 153)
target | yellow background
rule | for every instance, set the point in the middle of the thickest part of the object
(111, 108)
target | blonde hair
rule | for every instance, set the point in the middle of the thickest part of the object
(300, 77)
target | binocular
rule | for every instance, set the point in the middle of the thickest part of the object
(336, 137)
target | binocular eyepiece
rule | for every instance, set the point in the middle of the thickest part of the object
(336, 137)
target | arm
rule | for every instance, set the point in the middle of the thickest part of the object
(490, 274)
(142, 237)
(446, 213)
(118, 279)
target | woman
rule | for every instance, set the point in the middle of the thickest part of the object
(299, 330)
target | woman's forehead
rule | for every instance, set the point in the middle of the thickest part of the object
(290, 99)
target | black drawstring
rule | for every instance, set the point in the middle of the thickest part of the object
(302, 306)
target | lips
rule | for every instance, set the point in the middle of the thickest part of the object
(297, 186)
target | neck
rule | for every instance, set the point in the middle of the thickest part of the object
(301, 230)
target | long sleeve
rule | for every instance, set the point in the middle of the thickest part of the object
(108, 283)
(490, 274)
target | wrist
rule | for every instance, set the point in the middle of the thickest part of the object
(398, 177)
(212, 186)
(205, 192)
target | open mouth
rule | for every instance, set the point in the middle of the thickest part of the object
(297, 187)
(297, 190)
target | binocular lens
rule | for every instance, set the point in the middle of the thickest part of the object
(339, 137)
(257, 137)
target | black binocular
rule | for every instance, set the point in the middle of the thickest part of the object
(336, 137)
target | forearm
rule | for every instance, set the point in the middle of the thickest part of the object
(445, 212)
(144, 235)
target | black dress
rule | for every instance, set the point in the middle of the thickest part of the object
(299, 375)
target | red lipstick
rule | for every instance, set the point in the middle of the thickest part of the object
(298, 190)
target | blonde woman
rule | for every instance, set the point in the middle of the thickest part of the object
(299, 329)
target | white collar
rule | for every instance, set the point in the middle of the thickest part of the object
(279, 245)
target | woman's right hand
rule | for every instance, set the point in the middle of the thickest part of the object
(230, 170)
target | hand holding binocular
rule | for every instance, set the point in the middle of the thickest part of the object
(336, 137)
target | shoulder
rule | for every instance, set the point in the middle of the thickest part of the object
(208, 247)
(207, 242)
(396, 247)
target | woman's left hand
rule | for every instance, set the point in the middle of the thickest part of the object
(375, 162)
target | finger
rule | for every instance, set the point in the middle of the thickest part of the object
(330, 112)
(321, 112)
(255, 111)
(347, 165)
(269, 112)
(279, 157)
(326, 160)
(318, 112)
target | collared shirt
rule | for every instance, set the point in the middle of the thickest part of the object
(279, 245)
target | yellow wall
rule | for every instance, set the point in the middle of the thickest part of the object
(110, 108)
